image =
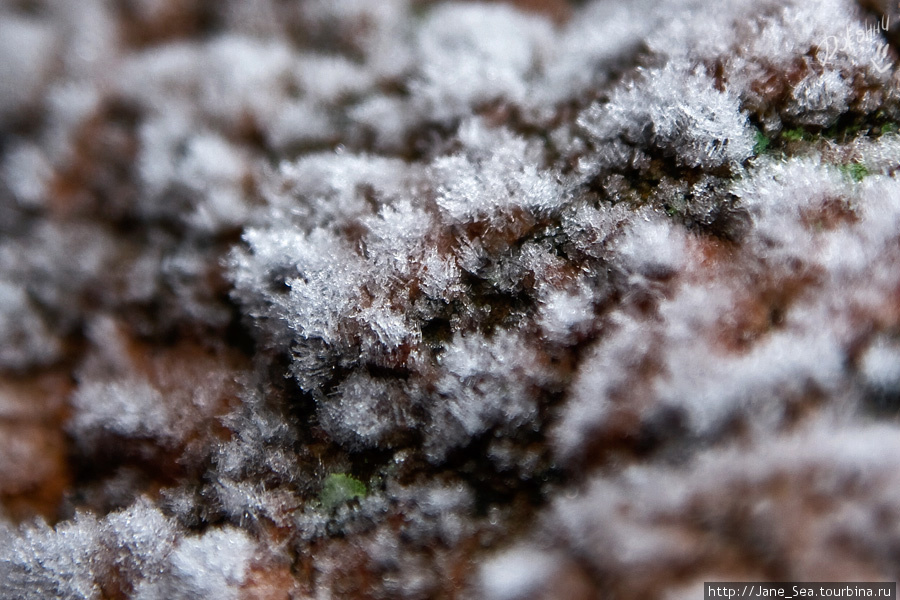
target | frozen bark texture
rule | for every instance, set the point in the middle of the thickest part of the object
(405, 299)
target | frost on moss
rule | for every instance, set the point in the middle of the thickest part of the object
(754, 496)
(786, 60)
(86, 557)
(357, 291)
(128, 408)
(655, 115)
(473, 54)
(213, 564)
(526, 269)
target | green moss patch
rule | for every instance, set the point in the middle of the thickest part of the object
(340, 488)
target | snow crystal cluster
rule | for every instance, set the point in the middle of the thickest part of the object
(415, 299)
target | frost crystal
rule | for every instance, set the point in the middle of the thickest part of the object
(131, 410)
(211, 565)
(471, 55)
(707, 131)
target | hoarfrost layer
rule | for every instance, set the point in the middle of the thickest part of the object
(413, 299)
